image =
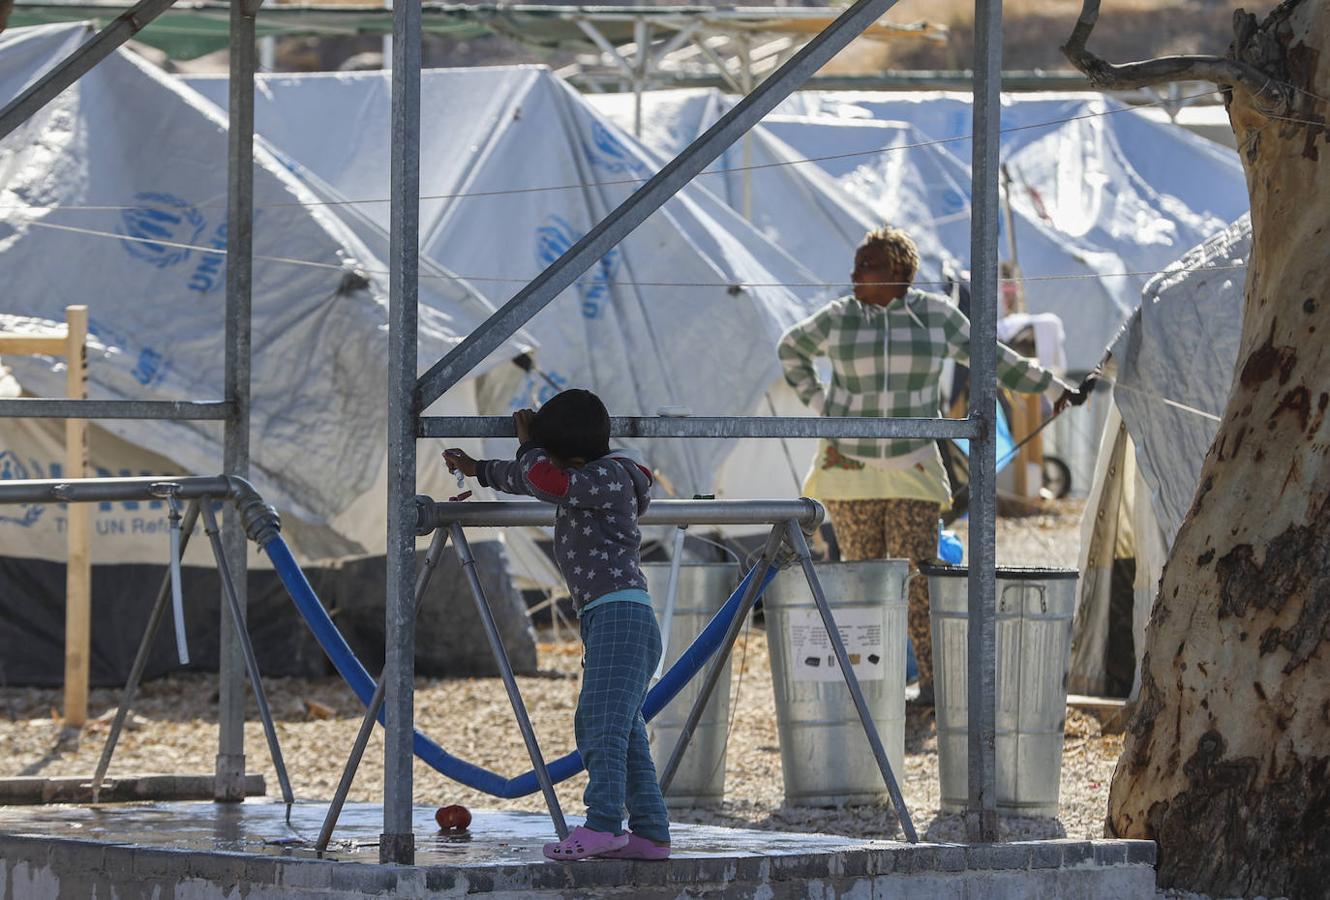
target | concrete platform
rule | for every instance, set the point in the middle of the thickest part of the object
(202, 850)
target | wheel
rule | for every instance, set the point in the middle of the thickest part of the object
(1057, 477)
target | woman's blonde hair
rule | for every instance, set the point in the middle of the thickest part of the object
(892, 246)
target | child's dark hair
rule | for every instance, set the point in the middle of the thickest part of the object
(573, 424)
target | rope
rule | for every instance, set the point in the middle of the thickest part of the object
(286, 260)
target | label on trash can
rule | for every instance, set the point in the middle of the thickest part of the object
(810, 645)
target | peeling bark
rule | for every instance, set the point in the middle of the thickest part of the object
(1226, 762)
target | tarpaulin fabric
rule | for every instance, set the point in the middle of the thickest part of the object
(114, 196)
(1097, 188)
(32, 639)
(515, 168)
(1179, 350)
(793, 202)
(124, 174)
(1173, 366)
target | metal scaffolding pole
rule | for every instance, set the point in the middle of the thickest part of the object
(33, 408)
(646, 200)
(431, 515)
(141, 657)
(230, 783)
(721, 427)
(981, 813)
(397, 843)
(76, 65)
(375, 705)
(468, 561)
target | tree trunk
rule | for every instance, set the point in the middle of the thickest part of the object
(1227, 760)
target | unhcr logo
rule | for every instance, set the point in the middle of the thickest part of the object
(607, 152)
(158, 221)
(555, 238)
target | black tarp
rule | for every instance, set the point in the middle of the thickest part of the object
(449, 640)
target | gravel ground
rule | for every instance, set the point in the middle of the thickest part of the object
(174, 730)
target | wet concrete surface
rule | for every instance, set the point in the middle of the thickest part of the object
(206, 851)
(494, 838)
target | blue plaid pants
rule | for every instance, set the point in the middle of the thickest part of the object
(622, 647)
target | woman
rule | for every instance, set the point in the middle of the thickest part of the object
(886, 344)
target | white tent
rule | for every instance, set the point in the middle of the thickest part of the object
(515, 167)
(1173, 367)
(113, 196)
(1110, 190)
(792, 201)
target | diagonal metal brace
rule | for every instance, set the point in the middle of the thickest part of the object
(800, 546)
(769, 558)
(76, 65)
(468, 561)
(645, 201)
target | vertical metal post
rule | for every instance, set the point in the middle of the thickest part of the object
(247, 649)
(509, 682)
(397, 843)
(230, 783)
(641, 66)
(981, 813)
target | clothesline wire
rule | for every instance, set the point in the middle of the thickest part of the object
(507, 279)
(637, 181)
(1117, 385)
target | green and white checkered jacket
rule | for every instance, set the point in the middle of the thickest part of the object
(888, 362)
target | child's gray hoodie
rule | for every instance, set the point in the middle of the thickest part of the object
(597, 544)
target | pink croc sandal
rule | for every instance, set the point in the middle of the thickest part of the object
(583, 842)
(639, 848)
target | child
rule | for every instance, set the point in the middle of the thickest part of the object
(564, 459)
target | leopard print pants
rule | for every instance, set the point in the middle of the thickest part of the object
(894, 529)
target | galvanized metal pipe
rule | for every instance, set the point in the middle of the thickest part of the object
(981, 816)
(808, 513)
(33, 408)
(722, 657)
(721, 427)
(114, 490)
(397, 842)
(646, 200)
(141, 656)
(375, 704)
(76, 65)
(230, 766)
(509, 681)
(796, 539)
(671, 594)
(247, 650)
(177, 589)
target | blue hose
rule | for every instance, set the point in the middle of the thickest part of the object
(349, 667)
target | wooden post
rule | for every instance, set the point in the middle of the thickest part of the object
(78, 571)
(1032, 454)
(1020, 427)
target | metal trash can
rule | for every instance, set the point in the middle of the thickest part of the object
(1034, 620)
(703, 589)
(825, 757)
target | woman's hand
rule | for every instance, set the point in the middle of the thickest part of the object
(1075, 396)
(524, 419)
(458, 461)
